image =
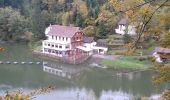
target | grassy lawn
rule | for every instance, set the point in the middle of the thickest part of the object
(36, 45)
(117, 52)
(130, 62)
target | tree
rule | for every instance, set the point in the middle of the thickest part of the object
(12, 24)
(101, 31)
(140, 13)
(127, 38)
(165, 42)
(108, 18)
(90, 31)
(79, 20)
(149, 17)
(20, 95)
(163, 76)
(37, 22)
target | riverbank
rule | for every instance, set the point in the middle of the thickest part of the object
(118, 62)
(105, 61)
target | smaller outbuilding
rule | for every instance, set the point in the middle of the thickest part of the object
(101, 46)
(161, 53)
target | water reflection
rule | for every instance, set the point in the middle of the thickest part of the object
(84, 94)
(62, 70)
(100, 84)
(72, 82)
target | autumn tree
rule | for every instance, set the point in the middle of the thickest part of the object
(108, 18)
(101, 31)
(12, 24)
(165, 42)
(127, 38)
(140, 13)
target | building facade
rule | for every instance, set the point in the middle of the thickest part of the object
(124, 27)
(62, 40)
(69, 44)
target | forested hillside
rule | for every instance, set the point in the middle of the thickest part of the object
(27, 19)
(22, 18)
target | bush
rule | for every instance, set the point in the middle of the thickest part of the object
(127, 38)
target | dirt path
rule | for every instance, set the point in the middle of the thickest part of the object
(111, 57)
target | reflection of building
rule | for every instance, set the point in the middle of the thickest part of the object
(61, 70)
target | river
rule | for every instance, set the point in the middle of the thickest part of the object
(72, 82)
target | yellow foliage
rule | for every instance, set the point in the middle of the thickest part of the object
(130, 48)
(81, 7)
(19, 95)
(89, 31)
(90, 21)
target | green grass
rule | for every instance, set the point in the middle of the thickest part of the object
(129, 62)
(117, 52)
(36, 45)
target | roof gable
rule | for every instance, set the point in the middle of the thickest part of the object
(88, 39)
(63, 31)
(162, 50)
(123, 21)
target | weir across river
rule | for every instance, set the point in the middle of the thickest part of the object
(15, 62)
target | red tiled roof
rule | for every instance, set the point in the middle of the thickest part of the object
(162, 50)
(63, 31)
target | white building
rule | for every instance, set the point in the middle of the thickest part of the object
(69, 43)
(125, 27)
(95, 47)
(62, 40)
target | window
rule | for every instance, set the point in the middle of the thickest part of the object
(60, 46)
(56, 37)
(46, 50)
(45, 44)
(52, 37)
(47, 37)
(59, 38)
(48, 44)
(66, 39)
(67, 46)
(52, 45)
(56, 46)
(56, 51)
(49, 50)
(63, 38)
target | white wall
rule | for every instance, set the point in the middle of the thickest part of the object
(121, 30)
(63, 46)
(90, 45)
(58, 39)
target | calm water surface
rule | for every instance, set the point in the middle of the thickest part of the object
(72, 82)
